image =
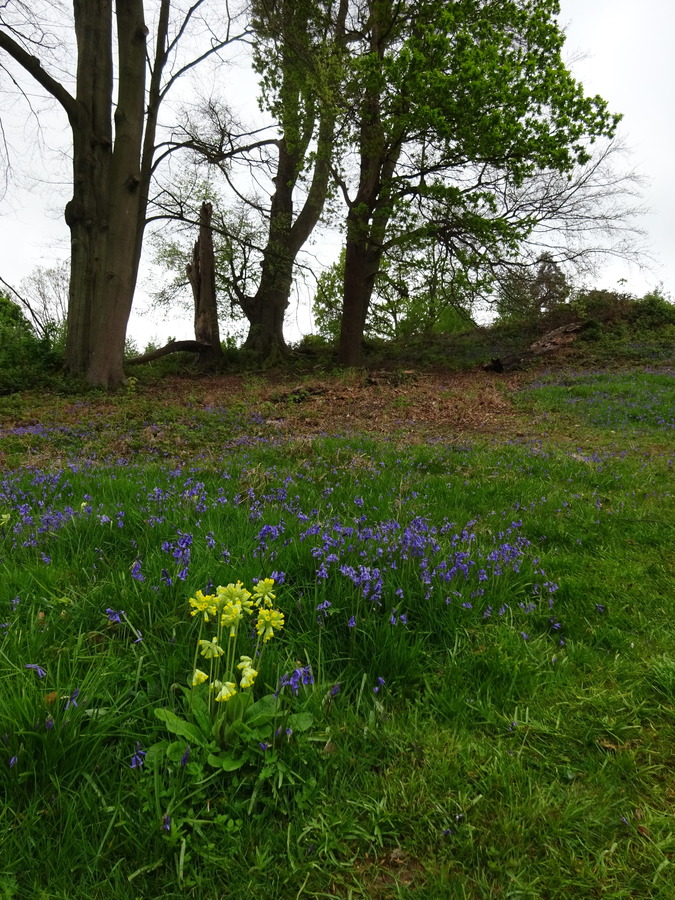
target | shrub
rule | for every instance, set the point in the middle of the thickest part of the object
(25, 360)
(652, 311)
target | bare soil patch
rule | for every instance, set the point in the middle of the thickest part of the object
(415, 404)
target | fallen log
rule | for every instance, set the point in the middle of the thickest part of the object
(171, 347)
(549, 343)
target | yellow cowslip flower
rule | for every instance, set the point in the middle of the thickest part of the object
(199, 677)
(203, 603)
(269, 621)
(211, 649)
(234, 593)
(263, 593)
(248, 673)
(248, 677)
(230, 616)
(226, 690)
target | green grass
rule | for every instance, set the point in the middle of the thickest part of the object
(520, 744)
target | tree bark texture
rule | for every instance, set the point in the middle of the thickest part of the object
(106, 214)
(201, 275)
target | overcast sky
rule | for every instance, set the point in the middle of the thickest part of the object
(620, 49)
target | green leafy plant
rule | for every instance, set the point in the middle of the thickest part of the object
(223, 718)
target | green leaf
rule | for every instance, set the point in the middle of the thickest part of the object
(236, 707)
(262, 710)
(301, 721)
(179, 726)
(226, 761)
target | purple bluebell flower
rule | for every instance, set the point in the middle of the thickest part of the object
(114, 616)
(380, 683)
(185, 758)
(166, 578)
(295, 678)
(322, 609)
(352, 622)
(264, 746)
(136, 573)
(13, 761)
(39, 671)
(166, 823)
(72, 700)
(335, 690)
(138, 758)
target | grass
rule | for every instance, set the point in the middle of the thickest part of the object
(487, 622)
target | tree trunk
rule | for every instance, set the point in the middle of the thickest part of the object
(201, 275)
(266, 330)
(288, 232)
(362, 264)
(265, 311)
(370, 211)
(124, 214)
(87, 214)
(111, 173)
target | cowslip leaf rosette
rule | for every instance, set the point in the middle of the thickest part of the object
(230, 674)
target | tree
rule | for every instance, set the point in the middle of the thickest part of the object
(453, 105)
(237, 235)
(25, 358)
(523, 294)
(298, 47)
(201, 274)
(299, 44)
(43, 295)
(416, 292)
(114, 158)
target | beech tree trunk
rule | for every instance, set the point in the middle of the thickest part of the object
(201, 274)
(125, 219)
(113, 147)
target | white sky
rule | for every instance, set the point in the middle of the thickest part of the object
(620, 49)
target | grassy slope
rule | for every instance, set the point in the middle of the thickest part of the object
(521, 745)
